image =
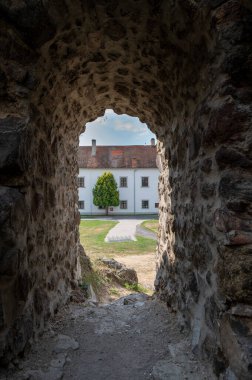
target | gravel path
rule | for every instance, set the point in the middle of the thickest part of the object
(145, 233)
(134, 338)
(125, 230)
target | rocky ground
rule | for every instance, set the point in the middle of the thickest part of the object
(133, 338)
(145, 267)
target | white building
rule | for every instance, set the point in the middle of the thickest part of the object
(134, 169)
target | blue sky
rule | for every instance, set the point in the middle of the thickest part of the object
(113, 129)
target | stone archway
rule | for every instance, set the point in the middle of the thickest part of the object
(183, 68)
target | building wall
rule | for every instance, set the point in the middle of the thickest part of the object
(133, 198)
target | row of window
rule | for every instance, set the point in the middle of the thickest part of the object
(123, 205)
(123, 181)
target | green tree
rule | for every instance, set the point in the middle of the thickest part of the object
(105, 192)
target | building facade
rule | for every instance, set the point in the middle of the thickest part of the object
(134, 169)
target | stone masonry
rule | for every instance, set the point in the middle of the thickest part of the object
(184, 68)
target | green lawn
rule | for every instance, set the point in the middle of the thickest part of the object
(151, 225)
(93, 232)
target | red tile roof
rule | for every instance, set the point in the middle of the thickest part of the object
(108, 157)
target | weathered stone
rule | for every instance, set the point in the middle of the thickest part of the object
(13, 48)
(166, 370)
(238, 189)
(237, 343)
(238, 238)
(32, 20)
(111, 263)
(226, 221)
(206, 165)
(64, 343)
(115, 30)
(207, 190)
(2, 322)
(201, 256)
(230, 157)
(183, 67)
(120, 272)
(127, 275)
(242, 310)
(194, 146)
(234, 273)
(41, 301)
(11, 133)
(9, 262)
(60, 360)
(223, 124)
(193, 286)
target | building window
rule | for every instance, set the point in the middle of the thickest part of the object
(123, 182)
(123, 205)
(145, 204)
(81, 205)
(156, 205)
(81, 181)
(145, 181)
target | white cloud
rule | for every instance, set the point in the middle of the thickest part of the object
(119, 129)
(109, 111)
(120, 125)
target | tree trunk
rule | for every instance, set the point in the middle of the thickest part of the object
(107, 210)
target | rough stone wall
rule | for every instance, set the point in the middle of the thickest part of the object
(183, 67)
(205, 234)
(39, 241)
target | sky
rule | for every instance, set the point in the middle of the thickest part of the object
(113, 129)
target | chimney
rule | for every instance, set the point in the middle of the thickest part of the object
(93, 147)
(152, 142)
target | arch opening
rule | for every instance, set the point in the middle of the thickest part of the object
(124, 147)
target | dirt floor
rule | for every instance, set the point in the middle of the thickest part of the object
(133, 338)
(144, 265)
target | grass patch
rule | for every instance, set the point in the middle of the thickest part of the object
(92, 235)
(95, 278)
(151, 225)
(136, 288)
(114, 291)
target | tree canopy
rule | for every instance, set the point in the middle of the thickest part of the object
(105, 192)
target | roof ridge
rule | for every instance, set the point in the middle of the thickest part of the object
(117, 156)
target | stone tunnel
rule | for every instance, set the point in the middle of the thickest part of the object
(184, 68)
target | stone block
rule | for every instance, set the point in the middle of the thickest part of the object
(207, 190)
(226, 123)
(41, 302)
(32, 20)
(236, 341)
(194, 145)
(226, 221)
(232, 158)
(1, 315)
(242, 310)
(206, 165)
(12, 48)
(12, 201)
(234, 273)
(9, 262)
(238, 189)
(115, 30)
(12, 130)
(238, 238)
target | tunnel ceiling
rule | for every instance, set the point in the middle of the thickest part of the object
(137, 57)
